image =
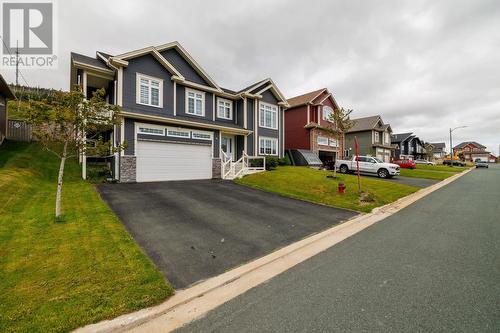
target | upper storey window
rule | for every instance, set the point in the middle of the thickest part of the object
(268, 115)
(149, 90)
(224, 109)
(195, 102)
(327, 113)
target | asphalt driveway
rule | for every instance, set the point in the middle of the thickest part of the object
(193, 230)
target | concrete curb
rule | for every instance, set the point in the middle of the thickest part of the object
(189, 304)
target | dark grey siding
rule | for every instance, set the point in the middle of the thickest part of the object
(209, 107)
(250, 125)
(240, 146)
(111, 92)
(268, 97)
(129, 136)
(147, 65)
(238, 113)
(183, 66)
(216, 144)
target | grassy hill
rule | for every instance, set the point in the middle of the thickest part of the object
(56, 276)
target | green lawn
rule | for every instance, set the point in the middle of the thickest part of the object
(313, 185)
(440, 168)
(429, 174)
(56, 276)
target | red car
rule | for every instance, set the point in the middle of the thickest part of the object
(406, 164)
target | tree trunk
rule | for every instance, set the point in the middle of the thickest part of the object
(60, 181)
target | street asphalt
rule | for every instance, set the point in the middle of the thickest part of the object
(193, 230)
(432, 267)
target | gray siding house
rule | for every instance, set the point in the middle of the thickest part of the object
(374, 138)
(178, 123)
(5, 95)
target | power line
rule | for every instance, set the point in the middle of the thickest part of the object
(18, 72)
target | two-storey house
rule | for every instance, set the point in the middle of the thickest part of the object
(309, 125)
(438, 150)
(178, 123)
(408, 146)
(374, 138)
(471, 150)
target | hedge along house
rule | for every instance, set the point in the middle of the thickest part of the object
(178, 123)
(308, 123)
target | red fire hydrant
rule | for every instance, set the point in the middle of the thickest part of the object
(341, 187)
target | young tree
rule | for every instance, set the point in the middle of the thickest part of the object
(340, 124)
(65, 123)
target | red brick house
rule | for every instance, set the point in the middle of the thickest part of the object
(305, 122)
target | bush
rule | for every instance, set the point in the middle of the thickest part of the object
(271, 162)
(284, 161)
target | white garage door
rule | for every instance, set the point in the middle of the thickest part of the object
(158, 161)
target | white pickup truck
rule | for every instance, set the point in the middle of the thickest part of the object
(368, 164)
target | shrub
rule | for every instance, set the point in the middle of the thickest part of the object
(271, 162)
(284, 161)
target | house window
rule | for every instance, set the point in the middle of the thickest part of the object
(327, 113)
(151, 130)
(149, 91)
(333, 143)
(346, 153)
(322, 140)
(387, 138)
(201, 135)
(268, 146)
(178, 133)
(224, 109)
(376, 137)
(268, 115)
(195, 102)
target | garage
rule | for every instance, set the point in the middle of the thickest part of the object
(163, 161)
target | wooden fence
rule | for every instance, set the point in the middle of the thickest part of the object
(18, 130)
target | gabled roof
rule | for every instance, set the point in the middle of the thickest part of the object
(463, 144)
(86, 60)
(439, 145)
(261, 86)
(305, 98)
(364, 124)
(400, 137)
(155, 50)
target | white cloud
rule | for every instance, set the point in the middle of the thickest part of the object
(423, 65)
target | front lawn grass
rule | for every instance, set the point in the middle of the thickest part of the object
(313, 185)
(441, 167)
(428, 174)
(59, 275)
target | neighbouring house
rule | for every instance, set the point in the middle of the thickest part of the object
(439, 150)
(492, 158)
(407, 146)
(470, 151)
(308, 126)
(374, 138)
(5, 94)
(178, 123)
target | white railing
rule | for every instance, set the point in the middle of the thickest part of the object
(241, 167)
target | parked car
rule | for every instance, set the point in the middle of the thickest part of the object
(421, 161)
(406, 164)
(454, 163)
(480, 163)
(368, 165)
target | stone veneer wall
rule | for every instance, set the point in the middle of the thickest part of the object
(216, 168)
(127, 169)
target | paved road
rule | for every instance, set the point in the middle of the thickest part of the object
(193, 230)
(434, 266)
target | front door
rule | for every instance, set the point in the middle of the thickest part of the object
(227, 146)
